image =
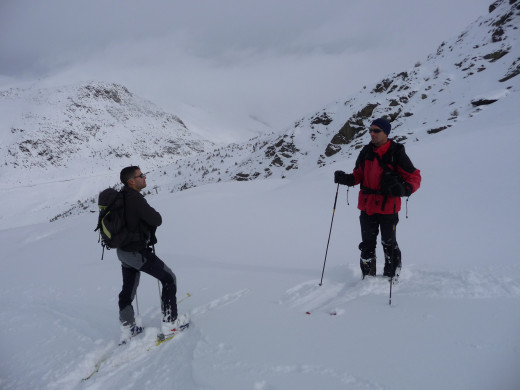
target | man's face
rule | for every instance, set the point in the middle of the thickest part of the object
(378, 136)
(138, 182)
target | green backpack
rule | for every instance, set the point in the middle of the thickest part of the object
(113, 232)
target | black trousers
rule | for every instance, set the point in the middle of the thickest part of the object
(132, 263)
(370, 226)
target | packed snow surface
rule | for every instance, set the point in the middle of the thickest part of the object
(251, 255)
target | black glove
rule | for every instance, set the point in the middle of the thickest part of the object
(153, 238)
(346, 179)
(408, 189)
(393, 184)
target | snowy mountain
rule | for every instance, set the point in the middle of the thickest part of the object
(462, 78)
(61, 144)
(89, 128)
(105, 125)
(251, 252)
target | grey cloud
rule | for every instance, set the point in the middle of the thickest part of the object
(275, 60)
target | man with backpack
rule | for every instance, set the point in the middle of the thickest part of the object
(385, 173)
(136, 254)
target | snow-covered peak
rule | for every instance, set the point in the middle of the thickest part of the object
(85, 130)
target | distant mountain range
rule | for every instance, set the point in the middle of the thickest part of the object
(85, 130)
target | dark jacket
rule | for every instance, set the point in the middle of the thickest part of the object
(141, 220)
(368, 171)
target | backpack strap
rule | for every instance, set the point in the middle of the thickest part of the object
(385, 168)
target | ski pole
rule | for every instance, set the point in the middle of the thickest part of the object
(137, 304)
(393, 258)
(158, 283)
(390, 297)
(330, 231)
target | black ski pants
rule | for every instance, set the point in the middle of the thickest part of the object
(132, 263)
(370, 226)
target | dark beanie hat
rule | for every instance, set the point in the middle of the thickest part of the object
(383, 124)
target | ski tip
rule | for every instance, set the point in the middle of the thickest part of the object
(181, 328)
(332, 313)
(161, 338)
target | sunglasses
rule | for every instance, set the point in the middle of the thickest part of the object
(142, 176)
(376, 131)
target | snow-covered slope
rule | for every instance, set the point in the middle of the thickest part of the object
(461, 79)
(251, 255)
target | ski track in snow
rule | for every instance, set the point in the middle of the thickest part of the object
(334, 295)
(113, 359)
(219, 302)
(117, 358)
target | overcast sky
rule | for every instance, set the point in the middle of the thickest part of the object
(215, 63)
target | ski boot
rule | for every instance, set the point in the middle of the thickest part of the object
(368, 267)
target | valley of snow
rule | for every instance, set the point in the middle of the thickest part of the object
(251, 255)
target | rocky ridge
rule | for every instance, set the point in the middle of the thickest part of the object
(463, 77)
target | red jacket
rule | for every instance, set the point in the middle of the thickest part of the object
(368, 171)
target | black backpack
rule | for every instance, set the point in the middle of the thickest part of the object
(113, 232)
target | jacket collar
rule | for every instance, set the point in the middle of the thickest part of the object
(382, 149)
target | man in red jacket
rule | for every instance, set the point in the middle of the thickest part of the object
(385, 173)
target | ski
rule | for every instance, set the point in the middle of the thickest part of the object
(331, 313)
(162, 338)
(98, 364)
(391, 280)
(107, 355)
(394, 280)
(96, 369)
(128, 339)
